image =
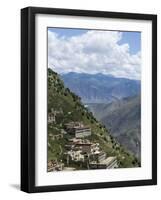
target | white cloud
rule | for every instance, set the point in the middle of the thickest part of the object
(93, 52)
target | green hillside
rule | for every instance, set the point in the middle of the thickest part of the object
(69, 108)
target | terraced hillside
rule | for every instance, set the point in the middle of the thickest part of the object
(67, 107)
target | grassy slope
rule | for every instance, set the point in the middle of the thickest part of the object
(60, 97)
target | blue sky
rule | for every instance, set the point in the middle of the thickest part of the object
(133, 39)
(95, 51)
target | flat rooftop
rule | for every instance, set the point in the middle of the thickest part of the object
(106, 161)
(69, 168)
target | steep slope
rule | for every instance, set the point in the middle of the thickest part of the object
(100, 88)
(122, 117)
(69, 108)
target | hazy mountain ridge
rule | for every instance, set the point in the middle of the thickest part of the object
(122, 117)
(100, 88)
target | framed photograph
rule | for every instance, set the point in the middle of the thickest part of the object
(88, 99)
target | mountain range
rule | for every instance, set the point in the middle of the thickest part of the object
(100, 88)
(115, 102)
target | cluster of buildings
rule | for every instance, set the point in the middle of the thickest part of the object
(107, 163)
(79, 149)
(52, 115)
(82, 150)
(78, 129)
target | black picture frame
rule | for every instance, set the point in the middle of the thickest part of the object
(28, 98)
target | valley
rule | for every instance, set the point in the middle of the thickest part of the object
(114, 102)
(122, 118)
